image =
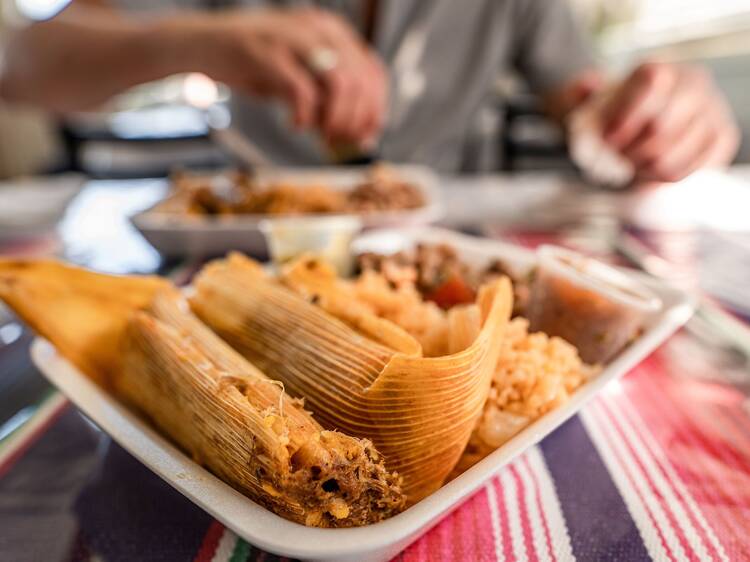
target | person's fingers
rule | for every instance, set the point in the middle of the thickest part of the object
(664, 128)
(729, 135)
(356, 128)
(348, 121)
(379, 99)
(726, 138)
(339, 105)
(347, 108)
(296, 85)
(367, 82)
(686, 154)
(347, 102)
(639, 99)
(694, 129)
(724, 149)
(351, 111)
(372, 129)
(369, 107)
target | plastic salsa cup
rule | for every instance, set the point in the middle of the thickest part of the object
(325, 236)
(593, 306)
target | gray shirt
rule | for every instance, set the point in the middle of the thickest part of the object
(444, 57)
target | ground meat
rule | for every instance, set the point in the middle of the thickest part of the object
(375, 196)
(521, 284)
(384, 191)
(428, 266)
(438, 273)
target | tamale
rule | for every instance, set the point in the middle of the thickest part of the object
(224, 412)
(358, 373)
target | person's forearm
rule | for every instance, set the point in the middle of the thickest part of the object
(86, 55)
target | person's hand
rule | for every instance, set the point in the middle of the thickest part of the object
(669, 120)
(272, 53)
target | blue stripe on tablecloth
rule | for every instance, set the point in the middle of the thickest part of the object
(38, 489)
(128, 513)
(599, 524)
(69, 497)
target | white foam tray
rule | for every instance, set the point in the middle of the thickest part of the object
(377, 542)
(175, 235)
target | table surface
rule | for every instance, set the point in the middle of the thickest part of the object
(658, 467)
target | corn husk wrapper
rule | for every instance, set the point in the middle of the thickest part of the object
(83, 314)
(359, 373)
(159, 358)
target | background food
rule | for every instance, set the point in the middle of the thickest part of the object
(238, 192)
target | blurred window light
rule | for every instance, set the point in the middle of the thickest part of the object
(159, 122)
(39, 10)
(660, 15)
(658, 22)
(706, 199)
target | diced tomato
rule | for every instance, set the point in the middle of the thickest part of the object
(451, 292)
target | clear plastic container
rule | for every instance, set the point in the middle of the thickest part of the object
(595, 307)
(328, 237)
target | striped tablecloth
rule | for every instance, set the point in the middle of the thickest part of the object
(658, 467)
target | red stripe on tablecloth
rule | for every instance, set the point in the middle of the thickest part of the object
(443, 530)
(698, 467)
(694, 471)
(462, 532)
(435, 544)
(540, 507)
(631, 479)
(415, 552)
(32, 438)
(736, 423)
(739, 459)
(423, 548)
(711, 477)
(712, 463)
(671, 519)
(210, 542)
(484, 538)
(465, 534)
(502, 509)
(523, 510)
(682, 494)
